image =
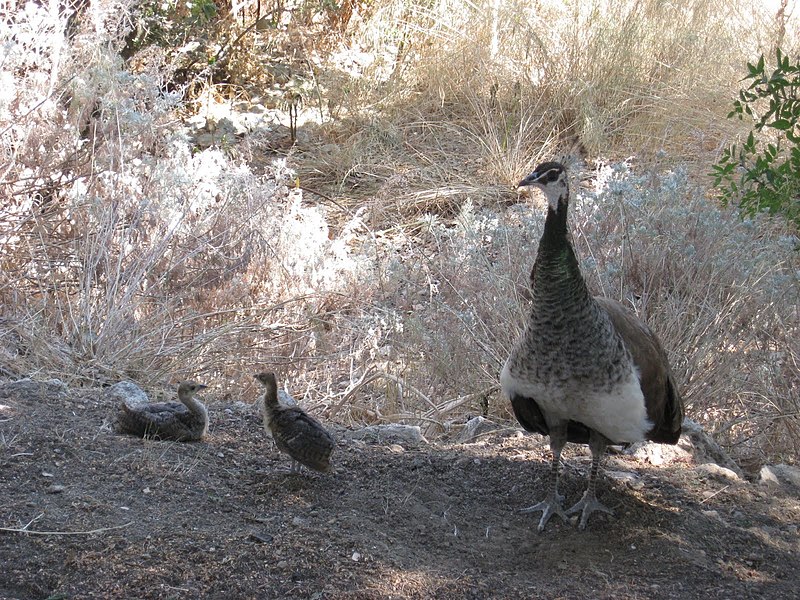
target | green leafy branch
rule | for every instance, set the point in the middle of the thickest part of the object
(763, 173)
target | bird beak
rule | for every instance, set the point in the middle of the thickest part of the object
(530, 179)
(200, 386)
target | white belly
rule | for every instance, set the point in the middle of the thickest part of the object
(618, 413)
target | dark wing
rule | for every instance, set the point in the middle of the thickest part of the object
(302, 437)
(162, 420)
(531, 418)
(664, 404)
(529, 414)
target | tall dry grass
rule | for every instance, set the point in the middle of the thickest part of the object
(483, 90)
(396, 294)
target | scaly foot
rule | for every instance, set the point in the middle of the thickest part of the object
(586, 506)
(549, 506)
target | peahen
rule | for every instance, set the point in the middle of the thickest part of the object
(586, 369)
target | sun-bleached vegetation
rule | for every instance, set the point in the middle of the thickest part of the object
(380, 264)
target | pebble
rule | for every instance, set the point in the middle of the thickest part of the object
(717, 471)
(56, 488)
(282, 564)
(356, 557)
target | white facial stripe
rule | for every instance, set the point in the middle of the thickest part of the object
(544, 175)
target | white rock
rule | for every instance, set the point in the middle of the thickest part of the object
(657, 454)
(788, 474)
(474, 428)
(780, 474)
(704, 448)
(714, 470)
(127, 392)
(767, 476)
(285, 398)
(408, 436)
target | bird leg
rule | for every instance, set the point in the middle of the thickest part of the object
(589, 502)
(551, 505)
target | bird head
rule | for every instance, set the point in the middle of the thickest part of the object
(551, 178)
(190, 388)
(267, 379)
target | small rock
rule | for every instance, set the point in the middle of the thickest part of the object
(625, 476)
(656, 454)
(408, 436)
(285, 398)
(714, 470)
(704, 448)
(710, 513)
(46, 474)
(474, 428)
(298, 521)
(29, 387)
(767, 476)
(396, 449)
(356, 557)
(282, 564)
(787, 474)
(261, 538)
(56, 488)
(125, 392)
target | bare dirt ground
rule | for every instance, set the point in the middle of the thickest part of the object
(223, 518)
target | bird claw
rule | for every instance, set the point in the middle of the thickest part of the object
(549, 507)
(586, 506)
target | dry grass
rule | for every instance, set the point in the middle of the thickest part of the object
(394, 294)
